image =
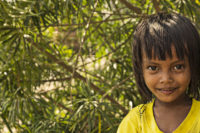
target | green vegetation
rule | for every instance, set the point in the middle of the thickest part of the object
(65, 65)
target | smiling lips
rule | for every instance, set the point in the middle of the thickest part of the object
(167, 91)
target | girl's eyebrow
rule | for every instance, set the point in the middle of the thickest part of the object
(155, 62)
(150, 62)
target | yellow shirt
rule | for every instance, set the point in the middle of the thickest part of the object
(141, 120)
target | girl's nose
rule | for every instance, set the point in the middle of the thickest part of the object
(166, 77)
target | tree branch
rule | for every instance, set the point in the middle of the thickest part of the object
(156, 5)
(49, 80)
(114, 50)
(116, 86)
(59, 104)
(83, 24)
(131, 7)
(76, 75)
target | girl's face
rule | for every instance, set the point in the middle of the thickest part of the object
(167, 79)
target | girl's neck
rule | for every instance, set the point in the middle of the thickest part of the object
(182, 101)
(169, 116)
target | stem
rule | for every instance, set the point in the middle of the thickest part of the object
(130, 6)
(7, 125)
(156, 5)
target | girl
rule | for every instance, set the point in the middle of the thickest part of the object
(166, 60)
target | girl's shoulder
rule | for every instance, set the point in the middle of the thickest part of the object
(196, 104)
(133, 121)
(140, 109)
(197, 101)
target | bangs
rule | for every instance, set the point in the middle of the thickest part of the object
(158, 39)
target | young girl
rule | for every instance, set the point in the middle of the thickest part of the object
(166, 59)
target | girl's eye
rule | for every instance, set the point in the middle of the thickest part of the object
(152, 68)
(178, 67)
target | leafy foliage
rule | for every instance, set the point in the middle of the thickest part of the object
(65, 65)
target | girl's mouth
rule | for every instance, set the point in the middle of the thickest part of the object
(167, 91)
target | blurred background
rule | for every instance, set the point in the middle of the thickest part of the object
(65, 65)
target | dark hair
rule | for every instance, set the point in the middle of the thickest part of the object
(158, 33)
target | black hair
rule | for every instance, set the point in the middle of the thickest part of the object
(158, 33)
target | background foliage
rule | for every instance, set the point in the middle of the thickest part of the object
(65, 65)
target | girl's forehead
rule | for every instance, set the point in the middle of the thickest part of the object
(171, 54)
(168, 61)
